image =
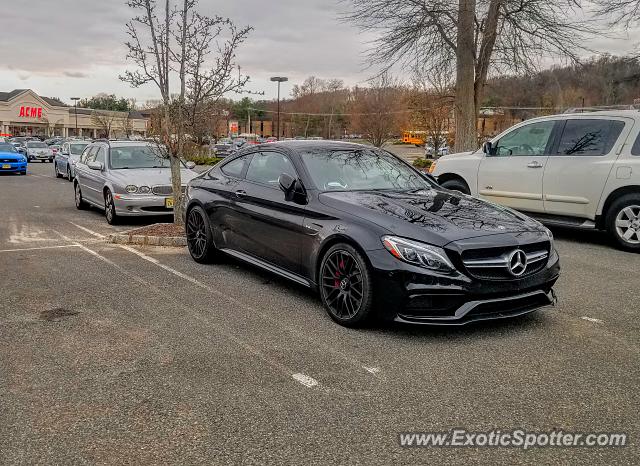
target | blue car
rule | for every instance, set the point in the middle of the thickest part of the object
(12, 161)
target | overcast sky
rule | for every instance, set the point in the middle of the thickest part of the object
(61, 48)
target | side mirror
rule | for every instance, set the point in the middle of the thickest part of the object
(190, 165)
(487, 148)
(95, 165)
(287, 183)
(65, 152)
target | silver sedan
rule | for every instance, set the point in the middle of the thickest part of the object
(126, 178)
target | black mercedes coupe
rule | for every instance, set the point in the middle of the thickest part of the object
(374, 236)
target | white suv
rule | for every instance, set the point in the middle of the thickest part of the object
(578, 169)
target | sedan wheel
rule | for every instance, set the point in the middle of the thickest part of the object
(200, 236)
(623, 222)
(80, 203)
(345, 285)
(55, 169)
(110, 209)
(69, 173)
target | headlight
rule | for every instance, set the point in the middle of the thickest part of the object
(131, 188)
(419, 254)
(144, 189)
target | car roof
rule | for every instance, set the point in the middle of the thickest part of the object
(306, 144)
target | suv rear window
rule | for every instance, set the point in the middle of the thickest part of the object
(589, 137)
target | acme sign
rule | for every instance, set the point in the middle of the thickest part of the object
(31, 112)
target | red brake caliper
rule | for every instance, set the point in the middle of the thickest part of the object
(336, 281)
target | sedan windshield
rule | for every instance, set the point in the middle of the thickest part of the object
(138, 157)
(36, 145)
(7, 148)
(77, 149)
(361, 169)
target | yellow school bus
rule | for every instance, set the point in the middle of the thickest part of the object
(414, 137)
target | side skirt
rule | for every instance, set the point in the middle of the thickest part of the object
(267, 266)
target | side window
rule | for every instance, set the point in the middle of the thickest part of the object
(88, 154)
(635, 149)
(101, 155)
(266, 168)
(589, 137)
(235, 167)
(527, 140)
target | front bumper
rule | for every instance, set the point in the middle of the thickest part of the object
(416, 295)
(40, 157)
(141, 205)
(14, 167)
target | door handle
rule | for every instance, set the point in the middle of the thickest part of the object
(534, 164)
(241, 193)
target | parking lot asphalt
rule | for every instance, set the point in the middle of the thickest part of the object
(115, 354)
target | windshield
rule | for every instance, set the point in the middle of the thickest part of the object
(77, 149)
(138, 157)
(7, 148)
(36, 145)
(361, 169)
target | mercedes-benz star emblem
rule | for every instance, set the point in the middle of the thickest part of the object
(517, 262)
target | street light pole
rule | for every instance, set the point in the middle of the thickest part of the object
(75, 110)
(279, 79)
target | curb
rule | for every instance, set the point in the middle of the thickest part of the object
(147, 240)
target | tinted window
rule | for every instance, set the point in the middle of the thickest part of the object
(360, 169)
(235, 167)
(589, 137)
(89, 154)
(635, 150)
(266, 167)
(7, 148)
(527, 140)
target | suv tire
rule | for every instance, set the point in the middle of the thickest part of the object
(623, 222)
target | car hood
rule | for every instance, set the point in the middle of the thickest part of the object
(40, 149)
(11, 156)
(148, 176)
(435, 216)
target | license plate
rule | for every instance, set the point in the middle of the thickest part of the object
(6, 166)
(168, 202)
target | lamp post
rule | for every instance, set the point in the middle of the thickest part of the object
(279, 79)
(75, 110)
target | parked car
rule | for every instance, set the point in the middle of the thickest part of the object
(37, 150)
(67, 157)
(429, 151)
(371, 234)
(19, 147)
(126, 178)
(12, 161)
(55, 140)
(575, 170)
(223, 150)
(271, 139)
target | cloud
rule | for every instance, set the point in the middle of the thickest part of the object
(75, 74)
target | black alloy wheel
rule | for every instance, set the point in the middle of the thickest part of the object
(200, 236)
(345, 285)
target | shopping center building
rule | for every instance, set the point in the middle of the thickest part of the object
(25, 113)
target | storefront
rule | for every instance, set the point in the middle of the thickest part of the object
(25, 113)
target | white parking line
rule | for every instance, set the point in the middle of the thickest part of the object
(43, 247)
(592, 319)
(86, 230)
(305, 380)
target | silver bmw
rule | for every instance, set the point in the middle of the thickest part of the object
(126, 178)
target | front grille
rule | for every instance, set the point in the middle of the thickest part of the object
(495, 264)
(511, 306)
(164, 190)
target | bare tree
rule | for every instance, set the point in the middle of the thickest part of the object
(105, 121)
(625, 13)
(167, 40)
(376, 109)
(479, 36)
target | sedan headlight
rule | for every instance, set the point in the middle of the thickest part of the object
(131, 189)
(419, 254)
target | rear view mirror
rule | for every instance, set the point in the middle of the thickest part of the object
(95, 165)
